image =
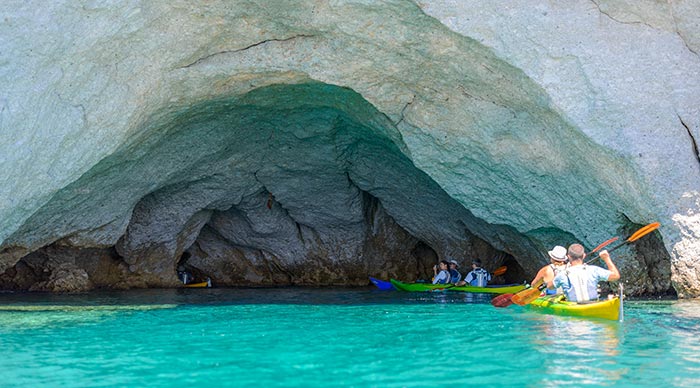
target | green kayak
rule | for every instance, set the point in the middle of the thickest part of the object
(422, 287)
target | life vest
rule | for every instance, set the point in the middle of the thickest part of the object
(579, 288)
(556, 269)
(455, 276)
(479, 277)
(440, 279)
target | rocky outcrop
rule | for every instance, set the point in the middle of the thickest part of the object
(320, 143)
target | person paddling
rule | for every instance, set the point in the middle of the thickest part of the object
(580, 281)
(557, 258)
(455, 276)
(478, 276)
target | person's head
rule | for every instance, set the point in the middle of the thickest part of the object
(453, 264)
(558, 255)
(444, 264)
(576, 252)
(476, 263)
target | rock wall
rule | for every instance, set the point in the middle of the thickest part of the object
(300, 142)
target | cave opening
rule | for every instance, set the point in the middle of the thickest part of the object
(286, 185)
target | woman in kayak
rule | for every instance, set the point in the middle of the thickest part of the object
(442, 277)
(557, 258)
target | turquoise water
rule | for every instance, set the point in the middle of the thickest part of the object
(338, 337)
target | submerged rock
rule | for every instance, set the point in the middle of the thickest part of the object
(272, 143)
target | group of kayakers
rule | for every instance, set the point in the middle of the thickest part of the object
(448, 272)
(567, 273)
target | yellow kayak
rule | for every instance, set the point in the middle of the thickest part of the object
(604, 309)
(206, 284)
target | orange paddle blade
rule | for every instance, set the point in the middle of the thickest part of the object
(644, 231)
(500, 271)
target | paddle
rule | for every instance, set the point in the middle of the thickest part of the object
(636, 236)
(499, 271)
(528, 297)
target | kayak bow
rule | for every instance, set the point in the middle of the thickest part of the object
(381, 284)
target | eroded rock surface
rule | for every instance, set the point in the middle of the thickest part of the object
(319, 143)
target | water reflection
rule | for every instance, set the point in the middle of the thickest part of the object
(578, 350)
(686, 327)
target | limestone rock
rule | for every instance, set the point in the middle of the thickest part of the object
(316, 143)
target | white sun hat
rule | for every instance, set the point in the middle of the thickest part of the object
(558, 253)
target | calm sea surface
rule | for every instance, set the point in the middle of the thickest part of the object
(336, 337)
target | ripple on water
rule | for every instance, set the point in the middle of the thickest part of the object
(37, 316)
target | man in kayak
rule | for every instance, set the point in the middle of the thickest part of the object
(478, 276)
(184, 275)
(455, 276)
(580, 281)
(557, 258)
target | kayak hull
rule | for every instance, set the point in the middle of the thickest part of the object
(423, 287)
(504, 289)
(197, 285)
(381, 284)
(605, 309)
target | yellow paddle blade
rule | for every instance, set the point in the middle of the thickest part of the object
(528, 295)
(644, 231)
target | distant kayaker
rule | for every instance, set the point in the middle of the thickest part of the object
(455, 276)
(443, 276)
(478, 276)
(557, 258)
(184, 275)
(580, 281)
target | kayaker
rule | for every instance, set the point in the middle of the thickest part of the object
(557, 258)
(580, 281)
(455, 276)
(478, 276)
(184, 275)
(443, 276)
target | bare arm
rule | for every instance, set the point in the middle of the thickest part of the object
(550, 284)
(540, 275)
(615, 275)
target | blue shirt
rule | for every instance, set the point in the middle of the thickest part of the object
(455, 276)
(580, 282)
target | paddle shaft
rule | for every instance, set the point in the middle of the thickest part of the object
(620, 245)
(643, 231)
